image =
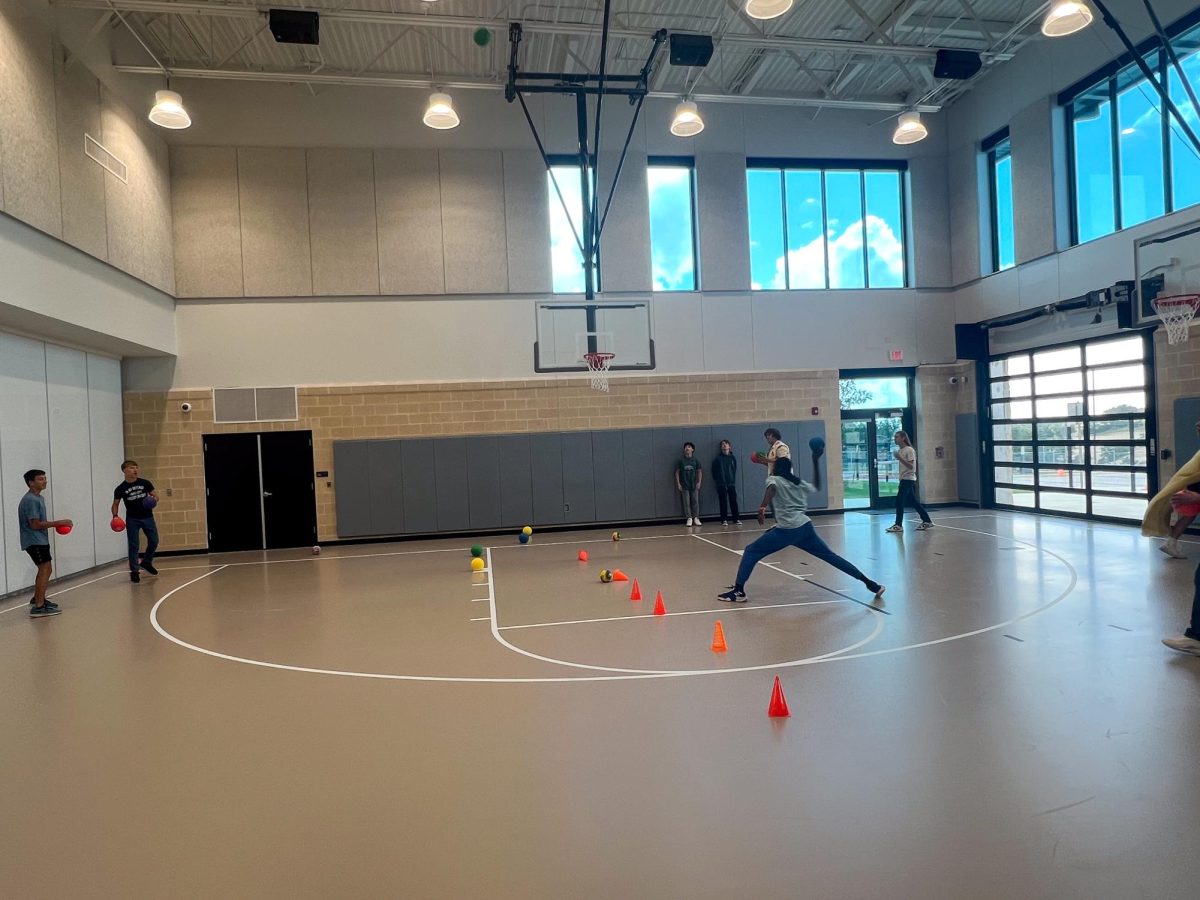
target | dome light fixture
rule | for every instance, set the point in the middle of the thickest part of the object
(440, 112)
(168, 111)
(767, 9)
(1066, 17)
(687, 121)
(909, 128)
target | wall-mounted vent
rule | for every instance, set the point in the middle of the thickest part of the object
(100, 154)
(271, 404)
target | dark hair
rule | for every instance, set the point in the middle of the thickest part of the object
(903, 434)
(687, 444)
(32, 474)
(773, 432)
(725, 441)
(129, 462)
(783, 468)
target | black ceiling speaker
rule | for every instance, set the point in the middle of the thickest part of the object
(957, 64)
(294, 26)
(691, 49)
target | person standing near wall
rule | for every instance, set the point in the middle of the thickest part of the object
(140, 499)
(724, 472)
(35, 540)
(688, 478)
(906, 455)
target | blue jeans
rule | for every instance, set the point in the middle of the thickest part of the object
(805, 538)
(1194, 629)
(908, 493)
(133, 527)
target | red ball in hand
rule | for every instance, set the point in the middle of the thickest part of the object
(63, 529)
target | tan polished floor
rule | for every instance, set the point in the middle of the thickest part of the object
(381, 722)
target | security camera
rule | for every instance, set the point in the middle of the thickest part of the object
(185, 407)
(958, 379)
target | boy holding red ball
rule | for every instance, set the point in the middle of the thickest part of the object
(140, 499)
(31, 517)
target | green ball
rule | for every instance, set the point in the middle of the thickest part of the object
(482, 36)
(477, 550)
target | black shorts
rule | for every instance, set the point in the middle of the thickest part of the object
(39, 553)
(1194, 487)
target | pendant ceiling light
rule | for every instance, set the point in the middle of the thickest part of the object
(1066, 17)
(909, 129)
(168, 111)
(440, 112)
(767, 9)
(687, 121)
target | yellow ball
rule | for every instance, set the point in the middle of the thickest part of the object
(605, 576)
(526, 530)
(477, 564)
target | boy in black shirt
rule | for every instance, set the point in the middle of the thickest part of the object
(139, 517)
(724, 471)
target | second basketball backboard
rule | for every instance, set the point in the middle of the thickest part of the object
(1167, 265)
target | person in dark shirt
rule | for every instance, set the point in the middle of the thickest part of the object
(724, 472)
(688, 478)
(139, 517)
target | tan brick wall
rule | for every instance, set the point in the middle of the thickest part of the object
(167, 442)
(938, 402)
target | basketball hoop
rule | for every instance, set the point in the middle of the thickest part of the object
(1176, 313)
(598, 364)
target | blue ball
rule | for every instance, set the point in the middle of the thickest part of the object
(816, 443)
(149, 503)
(523, 538)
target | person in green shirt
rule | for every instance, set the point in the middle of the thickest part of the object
(688, 478)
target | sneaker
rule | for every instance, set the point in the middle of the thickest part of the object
(135, 577)
(895, 529)
(149, 567)
(1183, 645)
(687, 522)
(724, 524)
(696, 522)
(733, 595)
(48, 602)
(924, 526)
(877, 589)
(1171, 548)
(737, 522)
(38, 612)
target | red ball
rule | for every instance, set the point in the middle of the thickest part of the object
(63, 529)
(1185, 509)
(117, 524)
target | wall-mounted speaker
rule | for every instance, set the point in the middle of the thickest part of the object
(970, 342)
(957, 64)
(294, 26)
(691, 49)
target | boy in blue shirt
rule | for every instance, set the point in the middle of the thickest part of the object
(35, 540)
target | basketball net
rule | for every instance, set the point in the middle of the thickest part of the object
(598, 364)
(1176, 314)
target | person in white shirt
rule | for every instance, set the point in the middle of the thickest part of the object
(907, 457)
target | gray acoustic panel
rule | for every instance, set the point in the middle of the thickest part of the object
(420, 486)
(930, 222)
(352, 488)
(273, 199)
(962, 175)
(547, 468)
(640, 473)
(484, 479)
(473, 225)
(122, 203)
(1186, 415)
(453, 493)
(625, 242)
(666, 452)
(578, 477)
(385, 470)
(28, 133)
(207, 224)
(77, 101)
(527, 223)
(608, 468)
(341, 221)
(516, 480)
(159, 257)
(1031, 134)
(724, 262)
(966, 454)
(802, 454)
(408, 207)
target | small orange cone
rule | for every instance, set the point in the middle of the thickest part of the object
(660, 608)
(778, 708)
(636, 593)
(618, 575)
(583, 557)
(718, 644)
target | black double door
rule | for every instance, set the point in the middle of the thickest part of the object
(259, 490)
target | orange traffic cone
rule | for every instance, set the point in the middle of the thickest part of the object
(660, 608)
(636, 593)
(718, 644)
(778, 708)
(583, 556)
(618, 575)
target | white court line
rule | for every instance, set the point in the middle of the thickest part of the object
(483, 619)
(63, 591)
(732, 607)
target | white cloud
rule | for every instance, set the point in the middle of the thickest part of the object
(885, 258)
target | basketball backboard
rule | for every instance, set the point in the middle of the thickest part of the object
(565, 331)
(1167, 264)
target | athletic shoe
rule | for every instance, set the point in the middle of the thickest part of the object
(1183, 645)
(877, 589)
(737, 522)
(149, 567)
(1171, 548)
(696, 522)
(924, 526)
(50, 604)
(896, 529)
(687, 522)
(724, 524)
(38, 612)
(135, 577)
(733, 595)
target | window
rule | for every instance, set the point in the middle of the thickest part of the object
(672, 187)
(1130, 160)
(566, 228)
(999, 163)
(1071, 428)
(826, 225)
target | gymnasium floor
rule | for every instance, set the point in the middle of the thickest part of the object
(380, 722)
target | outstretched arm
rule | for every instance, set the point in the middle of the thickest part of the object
(762, 510)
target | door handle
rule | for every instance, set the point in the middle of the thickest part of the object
(266, 493)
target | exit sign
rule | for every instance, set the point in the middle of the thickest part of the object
(896, 355)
